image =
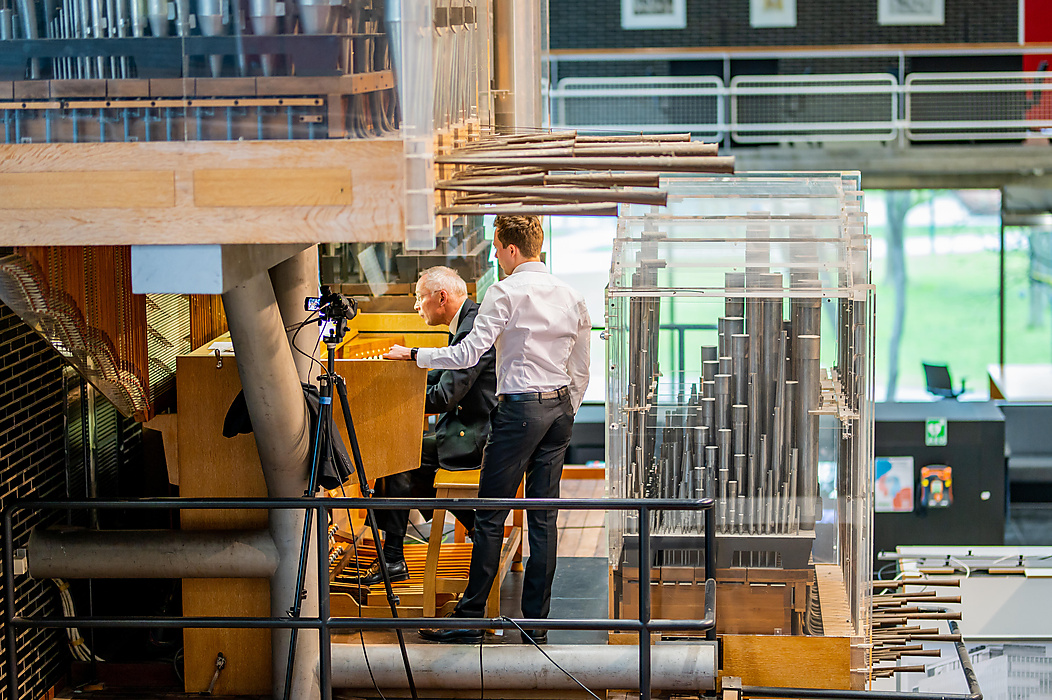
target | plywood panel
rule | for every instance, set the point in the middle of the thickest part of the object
(372, 210)
(793, 662)
(88, 190)
(247, 652)
(211, 465)
(272, 187)
(386, 399)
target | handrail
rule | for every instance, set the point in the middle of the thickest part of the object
(324, 622)
(781, 109)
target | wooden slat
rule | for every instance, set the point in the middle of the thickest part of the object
(272, 187)
(88, 190)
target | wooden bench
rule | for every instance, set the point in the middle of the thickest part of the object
(465, 484)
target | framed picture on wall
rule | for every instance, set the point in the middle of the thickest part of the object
(910, 12)
(653, 14)
(772, 13)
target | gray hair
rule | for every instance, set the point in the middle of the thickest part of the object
(440, 277)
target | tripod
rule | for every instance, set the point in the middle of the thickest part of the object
(338, 314)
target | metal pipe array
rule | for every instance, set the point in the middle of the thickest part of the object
(747, 434)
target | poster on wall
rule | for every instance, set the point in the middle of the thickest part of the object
(894, 487)
(654, 14)
(910, 12)
(772, 13)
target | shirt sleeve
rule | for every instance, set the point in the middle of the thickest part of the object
(489, 323)
(577, 364)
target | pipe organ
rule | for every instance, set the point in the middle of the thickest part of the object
(739, 322)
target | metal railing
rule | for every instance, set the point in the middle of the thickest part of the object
(325, 623)
(789, 109)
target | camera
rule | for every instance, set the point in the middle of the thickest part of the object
(334, 311)
(331, 305)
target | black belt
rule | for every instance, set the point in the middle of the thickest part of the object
(535, 395)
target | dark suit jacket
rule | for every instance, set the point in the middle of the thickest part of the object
(464, 398)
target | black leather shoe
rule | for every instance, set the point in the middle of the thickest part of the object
(397, 570)
(454, 636)
(537, 636)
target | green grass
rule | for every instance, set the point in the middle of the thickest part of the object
(952, 317)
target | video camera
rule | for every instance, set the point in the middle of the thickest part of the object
(334, 309)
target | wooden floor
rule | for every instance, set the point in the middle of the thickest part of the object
(582, 533)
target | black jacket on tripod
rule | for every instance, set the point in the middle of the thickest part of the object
(334, 466)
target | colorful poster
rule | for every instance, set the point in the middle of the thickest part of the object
(894, 488)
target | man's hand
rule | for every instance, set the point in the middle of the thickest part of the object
(397, 352)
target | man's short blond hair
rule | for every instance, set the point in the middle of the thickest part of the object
(441, 277)
(524, 232)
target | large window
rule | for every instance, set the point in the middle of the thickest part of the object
(944, 257)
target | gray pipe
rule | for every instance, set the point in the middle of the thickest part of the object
(7, 26)
(734, 306)
(711, 467)
(281, 429)
(81, 553)
(157, 14)
(676, 667)
(27, 12)
(723, 401)
(211, 19)
(806, 428)
(740, 367)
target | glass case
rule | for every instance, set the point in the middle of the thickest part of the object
(739, 351)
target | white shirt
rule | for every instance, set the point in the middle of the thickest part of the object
(540, 327)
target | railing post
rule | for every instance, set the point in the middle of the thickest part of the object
(10, 633)
(324, 638)
(644, 603)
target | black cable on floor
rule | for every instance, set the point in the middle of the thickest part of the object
(568, 674)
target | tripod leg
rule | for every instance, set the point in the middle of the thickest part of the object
(341, 389)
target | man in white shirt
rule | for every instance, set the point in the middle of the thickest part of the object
(463, 400)
(540, 328)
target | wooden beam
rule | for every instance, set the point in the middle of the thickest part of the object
(202, 192)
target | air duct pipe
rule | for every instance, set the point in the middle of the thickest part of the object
(281, 427)
(81, 553)
(674, 667)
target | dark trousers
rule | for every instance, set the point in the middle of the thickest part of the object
(416, 483)
(527, 437)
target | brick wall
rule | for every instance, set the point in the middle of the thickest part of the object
(596, 24)
(32, 465)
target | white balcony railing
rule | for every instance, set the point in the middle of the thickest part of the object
(786, 109)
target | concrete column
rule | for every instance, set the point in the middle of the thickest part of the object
(294, 280)
(281, 427)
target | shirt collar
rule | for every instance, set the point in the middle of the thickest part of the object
(531, 266)
(455, 322)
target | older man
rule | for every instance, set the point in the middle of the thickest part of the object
(541, 328)
(462, 397)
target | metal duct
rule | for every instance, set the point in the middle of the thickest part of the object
(80, 553)
(679, 667)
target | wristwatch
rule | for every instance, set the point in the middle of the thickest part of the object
(412, 353)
